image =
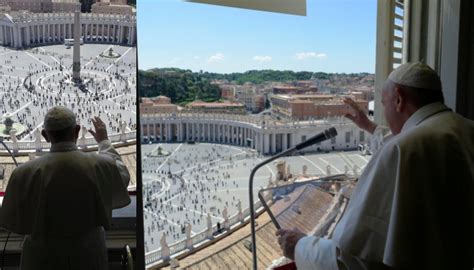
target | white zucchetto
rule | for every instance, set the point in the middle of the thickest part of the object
(416, 75)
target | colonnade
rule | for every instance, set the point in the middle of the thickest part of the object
(264, 139)
(38, 29)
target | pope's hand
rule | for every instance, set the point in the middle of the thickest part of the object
(100, 132)
(287, 239)
(359, 117)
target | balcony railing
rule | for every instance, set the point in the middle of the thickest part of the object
(88, 142)
(179, 248)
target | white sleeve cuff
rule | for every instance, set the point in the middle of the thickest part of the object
(104, 144)
(379, 137)
(312, 252)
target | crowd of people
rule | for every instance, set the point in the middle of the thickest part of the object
(35, 80)
(188, 186)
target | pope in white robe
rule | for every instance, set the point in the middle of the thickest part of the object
(413, 205)
(62, 201)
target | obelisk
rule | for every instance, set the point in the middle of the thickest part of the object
(76, 58)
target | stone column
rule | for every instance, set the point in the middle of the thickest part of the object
(189, 241)
(266, 143)
(209, 226)
(95, 29)
(225, 215)
(191, 131)
(239, 136)
(38, 145)
(229, 137)
(284, 141)
(258, 146)
(28, 36)
(15, 37)
(120, 34)
(82, 140)
(222, 133)
(108, 33)
(242, 136)
(55, 32)
(123, 129)
(162, 132)
(165, 250)
(240, 215)
(2, 30)
(10, 36)
(187, 131)
(235, 135)
(128, 35)
(201, 131)
(272, 139)
(253, 138)
(43, 30)
(195, 132)
(214, 132)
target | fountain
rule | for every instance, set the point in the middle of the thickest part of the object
(9, 126)
(110, 54)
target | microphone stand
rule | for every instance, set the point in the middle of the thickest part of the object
(329, 133)
(8, 235)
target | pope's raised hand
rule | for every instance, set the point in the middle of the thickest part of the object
(359, 117)
(100, 132)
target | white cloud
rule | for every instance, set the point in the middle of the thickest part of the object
(216, 58)
(306, 55)
(175, 60)
(262, 58)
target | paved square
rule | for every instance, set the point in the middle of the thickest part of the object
(208, 177)
(35, 79)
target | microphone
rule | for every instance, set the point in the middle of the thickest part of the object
(325, 135)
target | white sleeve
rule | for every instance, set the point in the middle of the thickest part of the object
(379, 137)
(106, 148)
(315, 253)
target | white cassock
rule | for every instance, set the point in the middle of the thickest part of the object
(62, 201)
(413, 204)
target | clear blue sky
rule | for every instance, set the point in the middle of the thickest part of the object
(335, 36)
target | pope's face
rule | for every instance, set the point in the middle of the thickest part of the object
(389, 102)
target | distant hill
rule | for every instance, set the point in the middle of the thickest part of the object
(184, 86)
(181, 86)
